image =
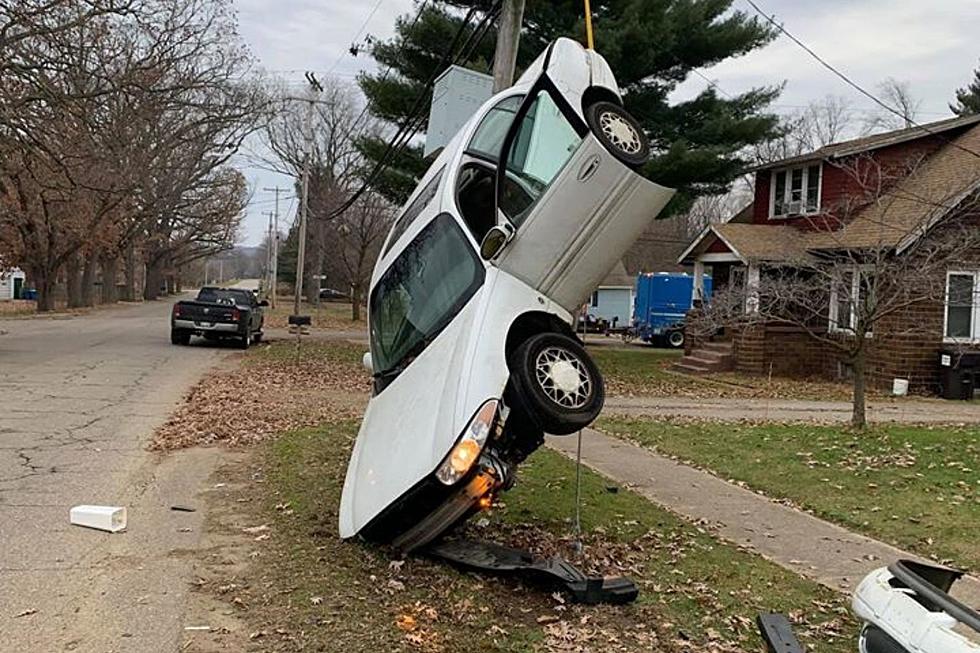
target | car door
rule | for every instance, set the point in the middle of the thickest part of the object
(574, 207)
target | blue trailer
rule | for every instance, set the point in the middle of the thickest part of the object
(662, 301)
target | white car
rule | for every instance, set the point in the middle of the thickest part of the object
(905, 608)
(472, 299)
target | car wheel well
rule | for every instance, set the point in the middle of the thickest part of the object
(530, 324)
(595, 94)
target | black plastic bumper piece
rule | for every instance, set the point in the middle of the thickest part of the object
(778, 634)
(487, 556)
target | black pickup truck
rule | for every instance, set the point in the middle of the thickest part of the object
(218, 313)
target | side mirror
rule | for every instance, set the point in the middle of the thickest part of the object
(264, 303)
(495, 241)
(367, 362)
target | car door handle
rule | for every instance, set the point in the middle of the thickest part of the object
(589, 168)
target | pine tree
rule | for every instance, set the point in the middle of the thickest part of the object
(968, 98)
(652, 46)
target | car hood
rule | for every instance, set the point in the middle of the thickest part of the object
(411, 425)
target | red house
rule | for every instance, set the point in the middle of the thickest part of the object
(882, 193)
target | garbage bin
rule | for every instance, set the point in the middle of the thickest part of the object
(958, 373)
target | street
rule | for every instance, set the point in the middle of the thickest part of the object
(82, 395)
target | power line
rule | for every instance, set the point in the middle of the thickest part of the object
(852, 83)
(358, 35)
(413, 122)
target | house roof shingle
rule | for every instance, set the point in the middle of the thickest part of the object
(873, 142)
(905, 212)
(753, 242)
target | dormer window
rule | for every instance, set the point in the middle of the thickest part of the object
(795, 191)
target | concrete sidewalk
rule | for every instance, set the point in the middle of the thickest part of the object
(807, 545)
(908, 410)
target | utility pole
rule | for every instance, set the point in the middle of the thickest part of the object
(508, 39)
(268, 252)
(274, 244)
(315, 88)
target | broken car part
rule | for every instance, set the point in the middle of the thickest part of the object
(486, 556)
(906, 608)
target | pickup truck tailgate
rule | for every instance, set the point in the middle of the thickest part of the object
(202, 312)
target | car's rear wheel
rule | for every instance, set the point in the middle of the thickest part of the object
(257, 338)
(179, 337)
(619, 132)
(245, 341)
(556, 384)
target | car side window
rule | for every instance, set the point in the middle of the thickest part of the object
(413, 210)
(544, 142)
(489, 136)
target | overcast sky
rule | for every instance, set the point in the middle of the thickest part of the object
(931, 45)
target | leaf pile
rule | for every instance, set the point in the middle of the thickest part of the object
(275, 390)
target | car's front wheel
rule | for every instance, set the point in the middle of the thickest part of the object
(619, 132)
(558, 386)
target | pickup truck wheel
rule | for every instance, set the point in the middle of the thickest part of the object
(179, 337)
(556, 383)
(619, 132)
(245, 341)
(257, 338)
(675, 339)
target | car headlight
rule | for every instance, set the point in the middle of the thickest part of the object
(467, 451)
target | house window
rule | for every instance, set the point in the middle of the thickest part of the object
(595, 299)
(962, 306)
(851, 298)
(795, 191)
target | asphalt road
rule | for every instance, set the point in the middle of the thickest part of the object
(80, 399)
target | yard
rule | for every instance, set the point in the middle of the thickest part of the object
(293, 585)
(641, 370)
(335, 316)
(916, 487)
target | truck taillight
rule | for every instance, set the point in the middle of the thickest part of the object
(176, 310)
(235, 315)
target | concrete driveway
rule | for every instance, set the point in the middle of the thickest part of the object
(81, 396)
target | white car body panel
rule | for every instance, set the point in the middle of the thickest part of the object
(895, 611)
(413, 423)
(554, 253)
(434, 399)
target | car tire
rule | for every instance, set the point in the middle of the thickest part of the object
(619, 132)
(179, 337)
(257, 338)
(675, 339)
(556, 384)
(245, 341)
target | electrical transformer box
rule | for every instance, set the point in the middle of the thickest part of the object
(456, 95)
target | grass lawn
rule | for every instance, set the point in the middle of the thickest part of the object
(333, 316)
(916, 487)
(696, 593)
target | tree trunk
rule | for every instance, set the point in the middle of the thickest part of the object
(44, 284)
(73, 281)
(171, 284)
(154, 279)
(355, 302)
(110, 270)
(88, 281)
(129, 275)
(859, 417)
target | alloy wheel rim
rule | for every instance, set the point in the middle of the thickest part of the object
(619, 132)
(563, 377)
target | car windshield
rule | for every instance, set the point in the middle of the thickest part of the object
(219, 296)
(421, 292)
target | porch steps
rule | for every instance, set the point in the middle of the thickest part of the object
(706, 358)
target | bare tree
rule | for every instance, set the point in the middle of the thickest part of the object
(356, 237)
(897, 95)
(334, 163)
(854, 287)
